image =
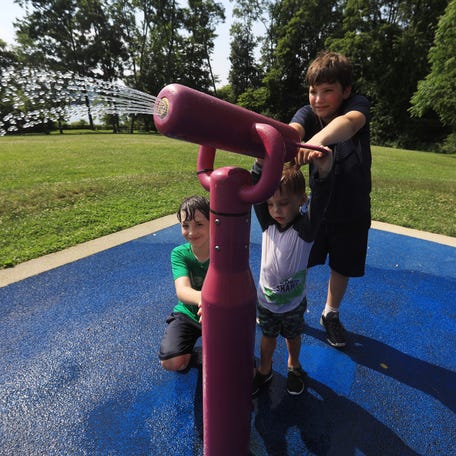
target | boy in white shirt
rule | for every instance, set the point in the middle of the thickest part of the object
(287, 239)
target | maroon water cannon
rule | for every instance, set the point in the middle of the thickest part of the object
(229, 292)
(229, 297)
(189, 115)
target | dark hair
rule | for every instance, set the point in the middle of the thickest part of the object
(292, 180)
(330, 67)
(191, 204)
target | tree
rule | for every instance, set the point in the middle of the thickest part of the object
(7, 56)
(388, 41)
(73, 35)
(201, 19)
(70, 35)
(149, 43)
(245, 73)
(173, 43)
(159, 41)
(7, 60)
(437, 91)
(297, 34)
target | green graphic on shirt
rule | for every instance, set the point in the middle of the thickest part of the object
(287, 290)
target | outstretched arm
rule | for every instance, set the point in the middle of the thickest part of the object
(340, 129)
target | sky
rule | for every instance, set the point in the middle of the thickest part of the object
(220, 62)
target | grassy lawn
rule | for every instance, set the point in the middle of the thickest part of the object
(414, 189)
(60, 190)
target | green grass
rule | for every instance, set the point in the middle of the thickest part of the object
(414, 189)
(60, 190)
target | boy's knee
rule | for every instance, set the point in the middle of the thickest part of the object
(174, 364)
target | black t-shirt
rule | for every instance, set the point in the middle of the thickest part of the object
(350, 199)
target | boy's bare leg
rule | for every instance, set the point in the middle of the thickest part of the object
(294, 349)
(268, 345)
(337, 286)
(178, 363)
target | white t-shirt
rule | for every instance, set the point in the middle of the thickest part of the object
(284, 256)
(285, 252)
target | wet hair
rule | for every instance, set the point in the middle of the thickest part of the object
(330, 67)
(292, 180)
(190, 205)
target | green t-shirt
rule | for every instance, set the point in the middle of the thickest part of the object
(185, 264)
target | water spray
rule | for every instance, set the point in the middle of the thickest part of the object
(36, 97)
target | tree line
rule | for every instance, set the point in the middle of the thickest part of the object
(403, 52)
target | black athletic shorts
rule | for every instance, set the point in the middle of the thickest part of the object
(180, 336)
(345, 244)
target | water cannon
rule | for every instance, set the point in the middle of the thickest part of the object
(228, 296)
(189, 115)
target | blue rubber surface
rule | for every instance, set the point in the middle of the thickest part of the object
(79, 373)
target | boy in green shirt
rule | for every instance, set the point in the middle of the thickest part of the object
(189, 263)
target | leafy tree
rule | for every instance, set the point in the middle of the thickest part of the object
(297, 34)
(149, 42)
(71, 35)
(437, 91)
(159, 42)
(75, 35)
(244, 73)
(173, 43)
(200, 22)
(256, 100)
(7, 60)
(225, 93)
(7, 56)
(388, 42)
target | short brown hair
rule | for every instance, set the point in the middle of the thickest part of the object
(292, 180)
(330, 67)
(190, 205)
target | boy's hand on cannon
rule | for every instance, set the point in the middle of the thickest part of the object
(323, 161)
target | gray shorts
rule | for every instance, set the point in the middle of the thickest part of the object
(288, 324)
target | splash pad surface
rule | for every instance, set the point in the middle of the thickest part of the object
(80, 372)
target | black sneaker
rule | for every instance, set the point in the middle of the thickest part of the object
(334, 329)
(296, 380)
(260, 380)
